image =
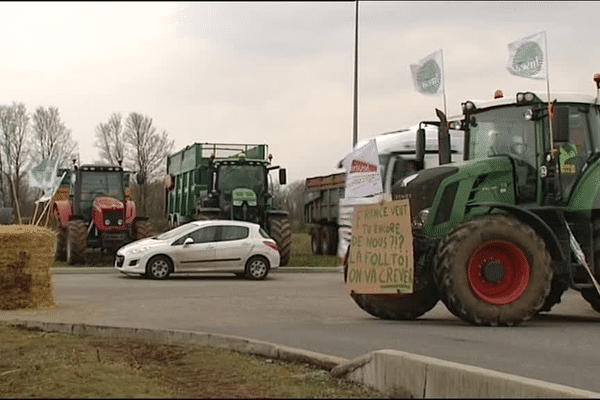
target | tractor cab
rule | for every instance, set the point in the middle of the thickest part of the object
(106, 184)
(546, 162)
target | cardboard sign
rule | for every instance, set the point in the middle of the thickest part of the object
(381, 250)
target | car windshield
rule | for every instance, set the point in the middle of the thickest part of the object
(175, 232)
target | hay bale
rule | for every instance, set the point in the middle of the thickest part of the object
(26, 259)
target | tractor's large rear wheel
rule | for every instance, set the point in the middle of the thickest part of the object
(281, 233)
(76, 242)
(591, 295)
(60, 246)
(493, 271)
(400, 306)
(142, 229)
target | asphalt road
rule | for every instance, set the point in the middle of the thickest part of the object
(312, 311)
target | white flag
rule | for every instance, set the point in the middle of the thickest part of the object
(363, 175)
(428, 76)
(43, 177)
(527, 57)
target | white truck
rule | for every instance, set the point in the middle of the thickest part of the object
(396, 153)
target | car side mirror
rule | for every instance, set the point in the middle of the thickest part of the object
(188, 241)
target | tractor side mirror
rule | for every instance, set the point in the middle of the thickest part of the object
(282, 176)
(420, 147)
(561, 124)
(140, 178)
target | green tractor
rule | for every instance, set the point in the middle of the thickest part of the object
(227, 181)
(500, 236)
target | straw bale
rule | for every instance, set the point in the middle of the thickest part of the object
(26, 259)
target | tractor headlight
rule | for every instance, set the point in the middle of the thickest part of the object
(120, 222)
(107, 222)
(422, 218)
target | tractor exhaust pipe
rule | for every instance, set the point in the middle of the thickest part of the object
(443, 139)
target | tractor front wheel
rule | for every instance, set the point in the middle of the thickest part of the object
(60, 246)
(76, 242)
(399, 307)
(142, 229)
(281, 233)
(493, 271)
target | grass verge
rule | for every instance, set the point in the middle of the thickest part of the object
(301, 256)
(40, 365)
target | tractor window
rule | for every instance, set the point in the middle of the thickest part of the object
(573, 154)
(231, 177)
(503, 131)
(594, 117)
(95, 184)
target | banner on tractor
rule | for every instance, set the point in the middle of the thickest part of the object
(381, 250)
(363, 174)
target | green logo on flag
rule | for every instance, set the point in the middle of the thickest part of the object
(528, 59)
(429, 77)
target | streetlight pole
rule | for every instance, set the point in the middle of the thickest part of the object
(355, 108)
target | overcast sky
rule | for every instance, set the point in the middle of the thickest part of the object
(277, 73)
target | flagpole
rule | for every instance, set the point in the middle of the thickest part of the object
(548, 91)
(444, 78)
(355, 108)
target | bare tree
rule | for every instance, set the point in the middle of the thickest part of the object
(52, 138)
(14, 126)
(146, 150)
(111, 139)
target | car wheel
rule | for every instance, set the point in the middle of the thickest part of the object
(159, 267)
(257, 268)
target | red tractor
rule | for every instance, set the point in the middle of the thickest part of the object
(93, 208)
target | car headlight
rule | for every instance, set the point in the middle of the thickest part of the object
(138, 250)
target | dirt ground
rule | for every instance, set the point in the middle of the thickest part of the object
(38, 364)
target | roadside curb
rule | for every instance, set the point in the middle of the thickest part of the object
(183, 337)
(394, 373)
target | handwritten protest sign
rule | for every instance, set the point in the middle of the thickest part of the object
(381, 250)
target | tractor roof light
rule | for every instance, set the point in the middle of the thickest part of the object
(525, 97)
(468, 106)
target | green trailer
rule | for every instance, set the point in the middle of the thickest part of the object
(226, 181)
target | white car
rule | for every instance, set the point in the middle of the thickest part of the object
(242, 248)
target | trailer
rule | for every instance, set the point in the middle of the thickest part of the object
(321, 210)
